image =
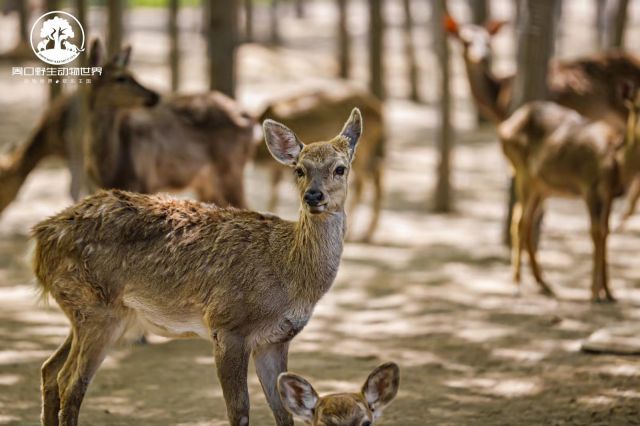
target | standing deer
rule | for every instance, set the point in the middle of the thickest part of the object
(554, 151)
(313, 115)
(588, 85)
(341, 409)
(247, 282)
(200, 141)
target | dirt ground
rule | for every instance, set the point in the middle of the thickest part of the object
(433, 293)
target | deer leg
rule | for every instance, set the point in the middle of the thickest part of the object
(207, 186)
(270, 361)
(598, 213)
(357, 185)
(50, 393)
(530, 218)
(604, 270)
(516, 243)
(377, 201)
(88, 349)
(276, 177)
(232, 361)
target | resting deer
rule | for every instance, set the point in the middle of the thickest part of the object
(341, 409)
(246, 281)
(200, 141)
(588, 85)
(313, 115)
(554, 151)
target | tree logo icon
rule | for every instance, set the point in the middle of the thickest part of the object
(51, 37)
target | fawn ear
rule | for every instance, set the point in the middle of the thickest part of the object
(381, 387)
(297, 395)
(121, 59)
(451, 26)
(96, 53)
(283, 144)
(493, 27)
(352, 130)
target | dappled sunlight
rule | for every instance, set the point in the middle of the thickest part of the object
(504, 387)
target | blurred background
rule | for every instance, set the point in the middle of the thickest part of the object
(431, 289)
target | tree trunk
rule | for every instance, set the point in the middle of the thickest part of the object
(410, 54)
(248, 20)
(376, 37)
(480, 14)
(535, 48)
(442, 201)
(55, 89)
(23, 17)
(615, 23)
(115, 13)
(174, 44)
(344, 42)
(599, 23)
(300, 9)
(223, 16)
(274, 23)
(81, 14)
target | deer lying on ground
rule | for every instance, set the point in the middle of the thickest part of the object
(341, 409)
(313, 115)
(199, 141)
(554, 151)
(588, 85)
(246, 281)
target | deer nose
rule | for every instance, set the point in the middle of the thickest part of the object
(313, 197)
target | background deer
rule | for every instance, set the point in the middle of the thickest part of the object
(246, 281)
(588, 85)
(554, 151)
(313, 115)
(341, 409)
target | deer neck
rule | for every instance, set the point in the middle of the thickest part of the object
(103, 143)
(314, 255)
(485, 86)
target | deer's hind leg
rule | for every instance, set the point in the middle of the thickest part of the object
(94, 330)
(50, 392)
(599, 210)
(531, 213)
(376, 176)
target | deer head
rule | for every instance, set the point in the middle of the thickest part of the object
(475, 39)
(340, 409)
(117, 87)
(321, 168)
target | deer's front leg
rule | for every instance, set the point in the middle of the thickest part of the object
(232, 360)
(270, 361)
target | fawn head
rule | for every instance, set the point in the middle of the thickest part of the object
(117, 87)
(340, 409)
(321, 168)
(475, 39)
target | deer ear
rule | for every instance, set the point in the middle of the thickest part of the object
(352, 130)
(283, 144)
(451, 26)
(493, 27)
(96, 53)
(121, 59)
(381, 387)
(297, 395)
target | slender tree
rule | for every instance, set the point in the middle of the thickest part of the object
(536, 44)
(248, 20)
(274, 22)
(442, 201)
(81, 14)
(480, 15)
(222, 43)
(55, 89)
(174, 44)
(410, 55)
(615, 21)
(23, 17)
(301, 11)
(599, 22)
(344, 42)
(376, 37)
(115, 14)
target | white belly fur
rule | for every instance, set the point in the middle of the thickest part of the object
(177, 323)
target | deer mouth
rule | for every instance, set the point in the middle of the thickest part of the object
(317, 208)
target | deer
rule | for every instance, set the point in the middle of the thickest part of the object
(588, 85)
(314, 114)
(341, 409)
(112, 132)
(555, 151)
(246, 281)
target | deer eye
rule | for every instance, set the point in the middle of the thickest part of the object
(340, 170)
(121, 79)
(366, 423)
(299, 172)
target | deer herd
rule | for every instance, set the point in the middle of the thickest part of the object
(248, 281)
